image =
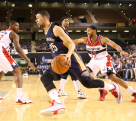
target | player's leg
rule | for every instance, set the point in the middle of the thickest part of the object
(124, 85)
(78, 68)
(47, 80)
(109, 70)
(1, 74)
(18, 81)
(7, 63)
(62, 84)
(93, 69)
(80, 93)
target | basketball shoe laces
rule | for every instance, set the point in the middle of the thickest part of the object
(114, 93)
(52, 103)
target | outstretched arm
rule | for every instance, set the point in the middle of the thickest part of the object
(80, 40)
(15, 38)
(107, 41)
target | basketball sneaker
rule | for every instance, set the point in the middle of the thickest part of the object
(117, 93)
(134, 94)
(103, 93)
(55, 109)
(23, 100)
(61, 93)
(81, 95)
(1, 98)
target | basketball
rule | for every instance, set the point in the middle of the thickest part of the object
(59, 64)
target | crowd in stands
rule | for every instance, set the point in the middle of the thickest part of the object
(125, 66)
(25, 44)
(42, 46)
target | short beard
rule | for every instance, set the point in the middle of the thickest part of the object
(42, 26)
(91, 36)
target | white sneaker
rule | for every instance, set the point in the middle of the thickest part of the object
(61, 93)
(1, 98)
(117, 93)
(23, 100)
(81, 95)
(55, 109)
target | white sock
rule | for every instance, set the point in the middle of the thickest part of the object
(54, 96)
(131, 89)
(77, 86)
(100, 88)
(62, 83)
(19, 92)
(108, 86)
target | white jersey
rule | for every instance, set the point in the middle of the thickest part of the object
(96, 50)
(100, 61)
(5, 38)
(7, 63)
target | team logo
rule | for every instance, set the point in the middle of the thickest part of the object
(85, 73)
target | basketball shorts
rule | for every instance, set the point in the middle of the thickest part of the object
(7, 63)
(101, 64)
(77, 69)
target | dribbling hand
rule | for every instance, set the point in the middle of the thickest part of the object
(68, 59)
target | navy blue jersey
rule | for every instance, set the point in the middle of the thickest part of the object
(56, 44)
(77, 69)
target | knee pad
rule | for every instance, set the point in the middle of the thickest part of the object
(47, 79)
(86, 83)
(90, 83)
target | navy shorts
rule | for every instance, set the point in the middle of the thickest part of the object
(77, 69)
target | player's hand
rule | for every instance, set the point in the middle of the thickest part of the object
(123, 53)
(31, 65)
(68, 59)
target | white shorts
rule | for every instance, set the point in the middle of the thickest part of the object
(7, 63)
(101, 64)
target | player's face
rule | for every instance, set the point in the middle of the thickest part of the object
(90, 32)
(15, 27)
(40, 20)
(65, 23)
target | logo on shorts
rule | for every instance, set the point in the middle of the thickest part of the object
(85, 73)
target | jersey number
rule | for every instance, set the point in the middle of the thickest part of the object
(1, 36)
(93, 54)
(53, 47)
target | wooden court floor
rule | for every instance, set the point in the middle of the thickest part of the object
(90, 109)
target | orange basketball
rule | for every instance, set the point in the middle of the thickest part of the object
(59, 64)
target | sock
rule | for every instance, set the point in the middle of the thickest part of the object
(62, 84)
(77, 86)
(19, 92)
(108, 86)
(54, 96)
(131, 89)
(100, 88)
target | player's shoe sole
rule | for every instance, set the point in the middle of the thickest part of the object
(57, 112)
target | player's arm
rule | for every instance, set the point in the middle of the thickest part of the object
(59, 32)
(107, 41)
(15, 38)
(80, 40)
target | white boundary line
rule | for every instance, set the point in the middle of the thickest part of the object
(5, 96)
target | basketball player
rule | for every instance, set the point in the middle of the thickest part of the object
(96, 46)
(7, 63)
(60, 43)
(80, 94)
